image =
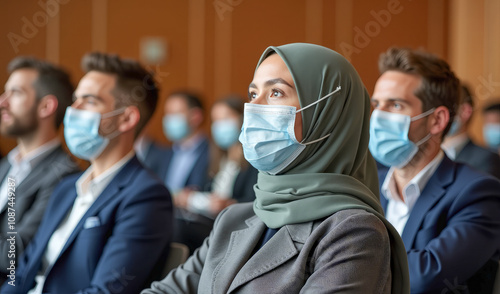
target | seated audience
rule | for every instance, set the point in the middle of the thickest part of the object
(446, 212)
(31, 111)
(491, 128)
(106, 230)
(185, 164)
(232, 178)
(458, 146)
(316, 225)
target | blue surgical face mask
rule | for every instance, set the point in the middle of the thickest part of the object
(491, 134)
(455, 126)
(175, 127)
(389, 143)
(268, 135)
(81, 132)
(225, 132)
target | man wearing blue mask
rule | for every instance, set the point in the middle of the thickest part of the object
(458, 146)
(491, 128)
(446, 212)
(106, 230)
(185, 163)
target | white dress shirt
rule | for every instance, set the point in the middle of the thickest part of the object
(222, 186)
(88, 190)
(21, 166)
(397, 211)
(455, 145)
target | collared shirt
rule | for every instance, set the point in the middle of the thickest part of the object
(455, 145)
(88, 190)
(183, 159)
(397, 212)
(21, 166)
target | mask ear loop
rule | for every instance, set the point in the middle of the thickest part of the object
(319, 100)
(316, 102)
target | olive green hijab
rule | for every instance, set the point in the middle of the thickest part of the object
(338, 172)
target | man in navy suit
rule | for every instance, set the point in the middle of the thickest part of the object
(106, 230)
(185, 163)
(458, 146)
(447, 213)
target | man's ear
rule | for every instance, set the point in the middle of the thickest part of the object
(465, 112)
(47, 106)
(129, 119)
(439, 120)
(195, 117)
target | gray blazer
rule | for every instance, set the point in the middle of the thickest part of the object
(348, 252)
(32, 195)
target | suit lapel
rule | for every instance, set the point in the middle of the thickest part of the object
(433, 191)
(4, 168)
(277, 251)
(121, 179)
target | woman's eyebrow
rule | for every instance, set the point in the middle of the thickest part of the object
(272, 82)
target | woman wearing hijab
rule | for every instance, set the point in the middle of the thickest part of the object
(316, 225)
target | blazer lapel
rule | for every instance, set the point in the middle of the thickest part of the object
(241, 245)
(4, 168)
(277, 251)
(121, 179)
(433, 191)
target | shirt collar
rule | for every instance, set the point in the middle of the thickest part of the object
(87, 186)
(415, 186)
(453, 146)
(33, 157)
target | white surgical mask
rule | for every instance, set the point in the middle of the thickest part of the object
(268, 135)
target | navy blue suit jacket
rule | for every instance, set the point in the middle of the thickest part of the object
(158, 159)
(121, 253)
(480, 158)
(453, 231)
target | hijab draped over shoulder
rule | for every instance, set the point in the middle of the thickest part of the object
(338, 172)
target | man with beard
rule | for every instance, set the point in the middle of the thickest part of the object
(31, 110)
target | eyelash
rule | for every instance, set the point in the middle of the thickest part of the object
(250, 94)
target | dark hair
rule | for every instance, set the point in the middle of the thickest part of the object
(193, 100)
(492, 108)
(233, 101)
(439, 87)
(134, 84)
(51, 80)
(465, 95)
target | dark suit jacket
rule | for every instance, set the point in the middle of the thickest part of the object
(120, 253)
(480, 158)
(453, 233)
(32, 195)
(158, 159)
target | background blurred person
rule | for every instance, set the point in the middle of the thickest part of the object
(185, 163)
(491, 128)
(31, 111)
(231, 177)
(458, 146)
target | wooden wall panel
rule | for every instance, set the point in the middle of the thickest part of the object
(214, 45)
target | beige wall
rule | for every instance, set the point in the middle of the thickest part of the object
(213, 45)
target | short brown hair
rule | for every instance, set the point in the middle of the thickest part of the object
(439, 87)
(51, 80)
(134, 84)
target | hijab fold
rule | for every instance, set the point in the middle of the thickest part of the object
(334, 174)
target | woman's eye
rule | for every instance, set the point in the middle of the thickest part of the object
(252, 95)
(276, 93)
